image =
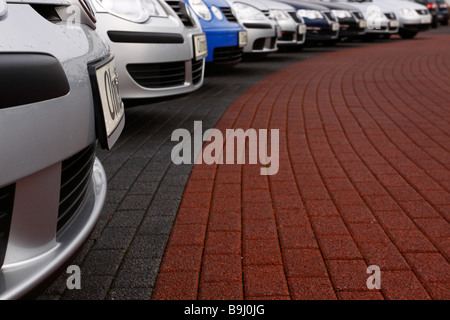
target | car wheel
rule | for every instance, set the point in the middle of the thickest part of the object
(445, 23)
(407, 34)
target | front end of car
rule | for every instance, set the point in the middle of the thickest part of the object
(293, 28)
(413, 18)
(159, 45)
(321, 24)
(443, 14)
(226, 38)
(60, 101)
(262, 32)
(351, 20)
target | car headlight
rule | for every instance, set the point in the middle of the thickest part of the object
(133, 10)
(217, 12)
(341, 14)
(309, 14)
(279, 15)
(407, 12)
(201, 9)
(3, 7)
(246, 12)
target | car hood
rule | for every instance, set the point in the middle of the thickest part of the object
(334, 5)
(52, 2)
(217, 3)
(400, 4)
(305, 5)
(255, 4)
(275, 5)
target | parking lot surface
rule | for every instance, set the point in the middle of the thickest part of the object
(363, 180)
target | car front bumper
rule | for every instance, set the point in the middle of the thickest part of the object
(152, 63)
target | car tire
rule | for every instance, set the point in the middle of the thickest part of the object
(444, 22)
(407, 34)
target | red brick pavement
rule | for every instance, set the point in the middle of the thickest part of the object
(364, 180)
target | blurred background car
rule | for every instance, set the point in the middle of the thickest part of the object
(352, 24)
(413, 17)
(262, 32)
(443, 14)
(293, 28)
(381, 21)
(159, 45)
(321, 25)
(432, 6)
(59, 100)
(225, 37)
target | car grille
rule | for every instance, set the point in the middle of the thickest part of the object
(197, 71)
(390, 15)
(329, 16)
(260, 42)
(6, 208)
(158, 75)
(294, 16)
(228, 54)
(422, 11)
(287, 36)
(76, 175)
(181, 10)
(228, 14)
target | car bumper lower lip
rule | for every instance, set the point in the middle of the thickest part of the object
(19, 279)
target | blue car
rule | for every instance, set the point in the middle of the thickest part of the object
(321, 24)
(225, 37)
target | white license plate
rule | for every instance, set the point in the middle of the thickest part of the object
(393, 24)
(335, 26)
(110, 115)
(425, 20)
(243, 40)
(362, 24)
(200, 46)
(301, 29)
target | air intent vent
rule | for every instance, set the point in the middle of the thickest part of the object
(228, 55)
(390, 15)
(75, 181)
(228, 13)
(181, 10)
(6, 208)
(158, 75)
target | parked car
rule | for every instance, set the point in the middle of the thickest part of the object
(159, 45)
(60, 99)
(293, 28)
(443, 14)
(351, 20)
(321, 24)
(382, 22)
(262, 32)
(226, 38)
(433, 8)
(413, 17)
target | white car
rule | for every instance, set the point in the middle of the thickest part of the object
(59, 100)
(293, 27)
(381, 19)
(413, 17)
(159, 45)
(262, 32)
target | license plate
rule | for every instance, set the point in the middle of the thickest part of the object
(109, 109)
(393, 24)
(200, 46)
(243, 40)
(302, 29)
(335, 26)
(425, 20)
(362, 24)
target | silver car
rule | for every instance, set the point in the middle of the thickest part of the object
(159, 45)
(262, 32)
(59, 100)
(293, 28)
(381, 18)
(413, 17)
